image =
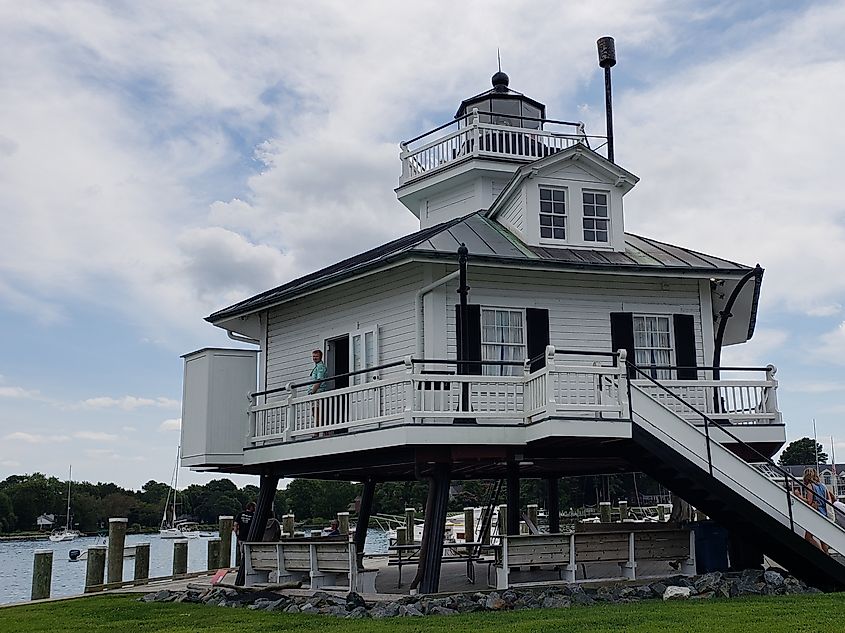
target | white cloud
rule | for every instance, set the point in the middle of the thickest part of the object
(174, 424)
(128, 429)
(35, 438)
(96, 436)
(129, 403)
(733, 152)
(831, 346)
(19, 392)
(758, 351)
(9, 463)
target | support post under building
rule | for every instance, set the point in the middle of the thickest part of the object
(366, 508)
(513, 498)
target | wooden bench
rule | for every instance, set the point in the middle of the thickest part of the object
(621, 543)
(321, 563)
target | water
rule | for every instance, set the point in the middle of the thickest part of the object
(16, 558)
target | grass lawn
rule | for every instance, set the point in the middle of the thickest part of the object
(790, 614)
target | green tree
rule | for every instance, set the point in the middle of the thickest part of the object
(801, 452)
(8, 520)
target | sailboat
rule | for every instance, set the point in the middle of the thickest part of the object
(175, 529)
(65, 534)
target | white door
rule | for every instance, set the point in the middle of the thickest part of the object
(363, 353)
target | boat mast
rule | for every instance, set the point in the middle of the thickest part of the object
(69, 477)
(176, 482)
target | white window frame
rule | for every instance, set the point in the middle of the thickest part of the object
(585, 217)
(502, 370)
(565, 215)
(359, 358)
(657, 374)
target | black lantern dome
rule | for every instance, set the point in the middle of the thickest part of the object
(503, 106)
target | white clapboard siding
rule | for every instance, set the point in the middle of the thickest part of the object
(579, 305)
(298, 327)
(497, 186)
(571, 172)
(451, 204)
(512, 214)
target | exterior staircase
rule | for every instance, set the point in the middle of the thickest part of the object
(682, 457)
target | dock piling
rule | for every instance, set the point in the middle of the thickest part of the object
(503, 519)
(224, 524)
(604, 511)
(469, 525)
(401, 536)
(343, 522)
(42, 574)
(95, 570)
(117, 542)
(623, 510)
(142, 561)
(410, 514)
(213, 553)
(661, 512)
(180, 557)
(288, 525)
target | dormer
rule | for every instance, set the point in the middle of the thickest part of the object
(571, 199)
(464, 165)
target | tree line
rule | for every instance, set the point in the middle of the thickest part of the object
(24, 497)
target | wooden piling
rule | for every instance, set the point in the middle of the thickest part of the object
(533, 511)
(661, 512)
(142, 561)
(343, 522)
(469, 525)
(410, 514)
(503, 519)
(42, 574)
(401, 536)
(288, 525)
(224, 526)
(623, 510)
(95, 571)
(213, 560)
(180, 557)
(604, 511)
(117, 542)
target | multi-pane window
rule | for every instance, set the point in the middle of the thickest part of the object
(596, 218)
(653, 345)
(552, 213)
(502, 338)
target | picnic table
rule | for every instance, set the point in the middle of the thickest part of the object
(470, 553)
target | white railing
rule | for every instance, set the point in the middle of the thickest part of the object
(744, 402)
(582, 391)
(472, 138)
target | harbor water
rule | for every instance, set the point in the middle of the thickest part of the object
(16, 558)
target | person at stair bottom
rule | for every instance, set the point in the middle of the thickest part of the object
(319, 372)
(241, 527)
(815, 494)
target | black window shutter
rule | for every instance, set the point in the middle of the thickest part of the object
(622, 336)
(473, 334)
(537, 325)
(685, 346)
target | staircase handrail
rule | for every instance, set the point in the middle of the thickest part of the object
(708, 421)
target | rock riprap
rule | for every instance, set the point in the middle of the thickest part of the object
(353, 605)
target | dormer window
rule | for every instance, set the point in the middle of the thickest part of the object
(553, 213)
(596, 217)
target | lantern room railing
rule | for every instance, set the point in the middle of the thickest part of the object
(472, 137)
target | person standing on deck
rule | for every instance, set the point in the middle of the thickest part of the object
(319, 372)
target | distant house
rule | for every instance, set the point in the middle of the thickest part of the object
(45, 521)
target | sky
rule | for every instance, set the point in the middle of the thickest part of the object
(159, 161)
